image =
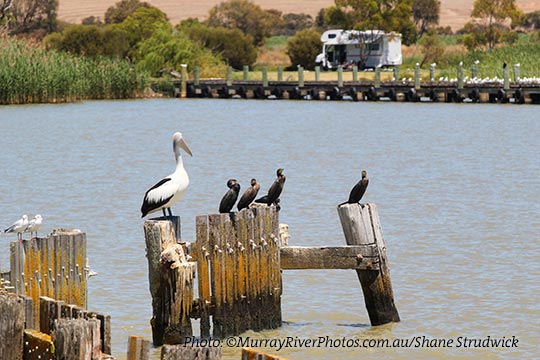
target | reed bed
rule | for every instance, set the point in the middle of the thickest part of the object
(31, 74)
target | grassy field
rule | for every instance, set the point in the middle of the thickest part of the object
(454, 13)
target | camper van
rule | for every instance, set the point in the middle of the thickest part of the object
(365, 49)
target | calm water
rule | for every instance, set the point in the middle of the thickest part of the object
(457, 186)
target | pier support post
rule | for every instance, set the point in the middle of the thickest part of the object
(171, 281)
(340, 76)
(377, 77)
(361, 226)
(229, 75)
(11, 327)
(317, 73)
(417, 76)
(460, 76)
(246, 73)
(196, 80)
(355, 73)
(300, 76)
(506, 76)
(265, 77)
(280, 73)
(183, 84)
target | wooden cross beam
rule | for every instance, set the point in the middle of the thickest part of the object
(358, 257)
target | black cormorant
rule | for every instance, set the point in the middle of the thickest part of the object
(276, 188)
(228, 200)
(358, 190)
(249, 195)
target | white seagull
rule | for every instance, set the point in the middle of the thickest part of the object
(173, 187)
(18, 227)
(34, 225)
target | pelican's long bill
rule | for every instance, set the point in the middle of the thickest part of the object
(180, 142)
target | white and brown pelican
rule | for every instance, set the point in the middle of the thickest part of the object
(171, 188)
(34, 225)
(18, 227)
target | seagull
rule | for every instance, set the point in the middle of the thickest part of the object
(249, 195)
(171, 188)
(34, 225)
(18, 227)
(228, 200)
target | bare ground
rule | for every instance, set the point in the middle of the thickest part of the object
(454, 13)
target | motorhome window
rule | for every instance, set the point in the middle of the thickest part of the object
(331, 36)
(374, 47)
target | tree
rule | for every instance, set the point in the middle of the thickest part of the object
(122, 9)
(32, 15)
(531, 21)
(243, 15)
(432, 47)
(304, 47)
(235, 47)
(492, 14)
(387, 15)
(425, 14)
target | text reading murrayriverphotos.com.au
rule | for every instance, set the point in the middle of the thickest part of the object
(292, 342)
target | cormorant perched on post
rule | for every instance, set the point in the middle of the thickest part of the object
(228, 200)
(358, 190)
(249, 195)
(276, 188)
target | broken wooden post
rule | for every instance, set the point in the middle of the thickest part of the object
(171, 281)
(138, 348)
(175, 352)
(361, 226)
(11, 326)
(76, 339)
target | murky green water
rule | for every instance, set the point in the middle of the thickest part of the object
(457, 188)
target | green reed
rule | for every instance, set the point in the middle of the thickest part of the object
(31, 74)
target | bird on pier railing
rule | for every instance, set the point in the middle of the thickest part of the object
(18, 227)
(34, 225)
(275, 191)
(172, 188)
(249, 195)
(358, 190)
(229, 199)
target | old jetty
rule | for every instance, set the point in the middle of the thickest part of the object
(228, 279)
(468, 88)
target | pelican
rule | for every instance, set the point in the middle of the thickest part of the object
(34, 225)
(228, 200)
(249, 195)
(171, 188)
(276, 188)
(358, 190)
(18, 227)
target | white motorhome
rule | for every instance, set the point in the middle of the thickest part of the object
(366, 49)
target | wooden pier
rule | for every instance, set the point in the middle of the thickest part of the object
(459, 90)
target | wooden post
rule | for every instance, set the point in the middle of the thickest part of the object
(432, 72)
(340, 76)
(317, 73)
(176, 352)
(11, 327)
(517, 68)
(183, 83)
(246, 72)
(76, 339)
(506, 76)
(196, 80)
(377, 77)
(460, 76)
(229, 75)
(255, 354)
(417, 76)
(300, 76)
(170, 280)
(265, 77)
(361, 226)
(239, 271)
(355, 73)
(474, 70)
(138, 348)
(280, 73)
(37, 345)
(396, 73)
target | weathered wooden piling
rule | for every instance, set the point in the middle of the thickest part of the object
(254, 354)
(239, 272)
(11, 326)
(176, 352)
(171, 280)
(77, 339)
(54, 267)
(361, 226)
(138, 348)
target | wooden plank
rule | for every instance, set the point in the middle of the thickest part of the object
(360, 257)
(37, 345)
(202, 256)
(11, 326)
(254, 354)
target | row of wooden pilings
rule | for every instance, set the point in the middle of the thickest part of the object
(238, 258)
(460, 89)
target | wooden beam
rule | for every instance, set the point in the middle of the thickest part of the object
(360, 257)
